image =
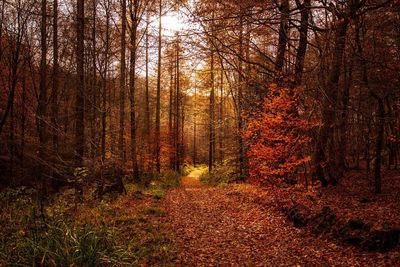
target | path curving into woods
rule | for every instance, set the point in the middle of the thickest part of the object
(214, 227)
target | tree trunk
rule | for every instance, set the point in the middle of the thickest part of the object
(170, 114)
(42, 106)
(283, 36)
(177, 107)
(158, 101)
(221, 117)
(54, 99)
(104, 107)
(122, 85)
(94, 109)
(329, 107)
(195, 123)
(80, 87)
(302, 48)
(23, 119)
(147, 107)
(132, 85)
(240, 104)
(211, 148)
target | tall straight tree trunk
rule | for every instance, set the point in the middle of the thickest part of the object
(170, 113)
(211, 148)
(380, 128)
(147, 107)
(195, 123)
(321, 157)
(23, 119)
(221, 117)
(121, 138)
(12, 144)
(54, 99)
(42, 107)
(239, 104)
(182, 138)
(94, 108)
(158, 101)
(80, 87)
(177, 107)
(132, 87)
(283, 35)
(302, 48)
(105, 86)
(3, 3)
(41, 111)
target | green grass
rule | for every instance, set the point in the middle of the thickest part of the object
(126, 231)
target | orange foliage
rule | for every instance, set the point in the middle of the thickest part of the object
(275, 136)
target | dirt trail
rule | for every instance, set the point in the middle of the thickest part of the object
(192, 180)
(213, 227)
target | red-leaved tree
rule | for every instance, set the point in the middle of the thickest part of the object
(276, 137)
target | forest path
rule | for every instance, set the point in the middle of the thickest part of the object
(212, 228)
(215, 226)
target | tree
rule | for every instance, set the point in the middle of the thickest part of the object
(211, 148)
(122, 82)
(54, 93)
(158, 100)
(42, 102)
(136, 10)
(80, 86)
(283, 35)
(275, 138)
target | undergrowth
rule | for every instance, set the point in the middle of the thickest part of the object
(125, 231)
(221, 174)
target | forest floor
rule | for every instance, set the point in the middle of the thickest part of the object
(230, 226)
(183, 222)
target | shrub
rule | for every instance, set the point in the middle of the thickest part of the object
(187, 169)
(170, 179)
(221, 174)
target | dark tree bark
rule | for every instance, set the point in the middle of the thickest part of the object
(42, 105)
(195, 124)
(105, 90)
(121, 138)
(321, 156)
(80, 87)
(211, 148)
(158, 100)
(54, 99)
(302, 48)
(94, 92)
(134, 13)
(170, 111)
(147, 104)
(23, 118)
(221, 117)
(283, 35)
(177, 107)
(242, 167)
(380, 128)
